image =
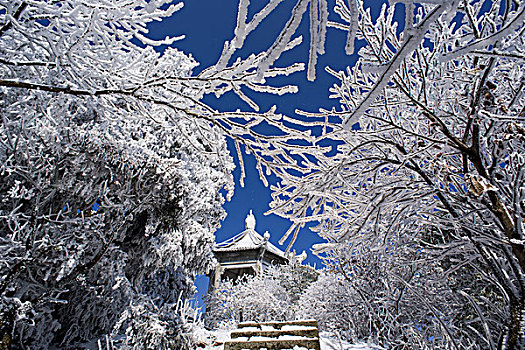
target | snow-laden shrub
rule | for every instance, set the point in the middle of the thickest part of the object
(399, 298)
(269, 296)
(332, 303)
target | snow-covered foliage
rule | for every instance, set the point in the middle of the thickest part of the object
(110, 171)
(436, 159)
(332, 303)
(110, 167)
(272, 295)
(108, 212)
(395, 298)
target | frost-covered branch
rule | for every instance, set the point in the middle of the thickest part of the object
(412, 39)
(434, 164)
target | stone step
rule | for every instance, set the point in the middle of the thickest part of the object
(305, 331)
(272, 344)
(278, 324)
(274, 335)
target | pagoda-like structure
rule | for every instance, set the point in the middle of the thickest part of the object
(247, 253)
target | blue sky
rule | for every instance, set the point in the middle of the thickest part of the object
(206, 25)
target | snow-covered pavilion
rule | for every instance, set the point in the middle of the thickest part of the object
(245, 253)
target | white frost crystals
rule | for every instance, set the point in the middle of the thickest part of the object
(430, 182)
(109, 183)
(110, 166)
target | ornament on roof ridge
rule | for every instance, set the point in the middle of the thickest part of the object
(250, 221)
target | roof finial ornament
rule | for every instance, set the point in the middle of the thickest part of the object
(250, 221)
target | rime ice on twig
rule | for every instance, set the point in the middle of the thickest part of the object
(430, 182)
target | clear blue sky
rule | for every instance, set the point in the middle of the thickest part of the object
(207, 24)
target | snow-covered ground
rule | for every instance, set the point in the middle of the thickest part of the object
(332, 342)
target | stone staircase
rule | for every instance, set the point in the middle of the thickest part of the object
(274, 335)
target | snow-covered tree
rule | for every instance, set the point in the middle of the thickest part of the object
(108, 202)
(272, 295)
(110, 171)
(334, 305)
(437, 152)
(398, 298)
(110, 164)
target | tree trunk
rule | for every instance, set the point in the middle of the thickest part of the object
(514, 339)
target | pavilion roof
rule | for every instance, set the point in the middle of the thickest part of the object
(249, 239)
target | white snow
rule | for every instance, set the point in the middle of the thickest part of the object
(296, 327)
(267, 328)
(332, 342)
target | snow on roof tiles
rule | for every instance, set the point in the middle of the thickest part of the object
(247, 240)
